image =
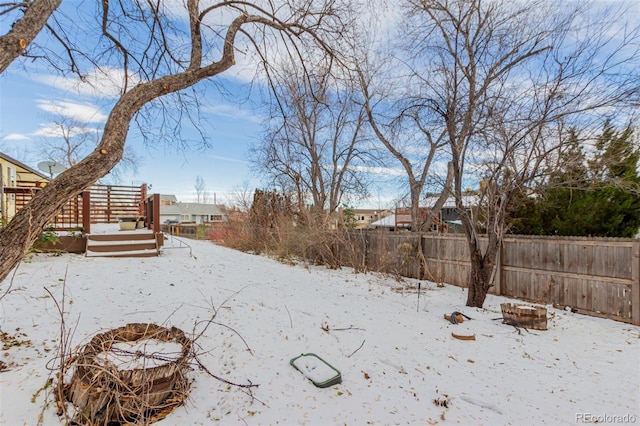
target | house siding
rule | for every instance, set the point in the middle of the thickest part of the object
(14, 178)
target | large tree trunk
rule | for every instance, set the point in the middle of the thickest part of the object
(478, 281)
(23, 230)
(483, 269)
(25, 30)
(416, 218)
(27, 224)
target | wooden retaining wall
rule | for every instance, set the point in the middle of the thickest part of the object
(595, 276)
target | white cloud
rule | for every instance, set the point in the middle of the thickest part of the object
(385, 171)
(233, 112)
(53, 130)
(83, 113)
(15, 137)
(233, 160)
(99, 83)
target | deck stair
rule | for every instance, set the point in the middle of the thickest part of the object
(139, 243)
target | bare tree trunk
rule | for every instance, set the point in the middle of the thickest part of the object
(26, 225)
(393, 142)
(442, 199)
(25, 30)
(416, 219)
(481, 276)
(484, 263)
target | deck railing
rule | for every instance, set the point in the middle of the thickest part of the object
(99, 204)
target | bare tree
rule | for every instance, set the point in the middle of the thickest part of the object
(242, 197)
(407, 134)
(504, 79)
(316, 145)
(202, 195)
(34, 16)
(66, 141)
(158, 59)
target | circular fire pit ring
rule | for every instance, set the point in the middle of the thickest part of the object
(135, 373)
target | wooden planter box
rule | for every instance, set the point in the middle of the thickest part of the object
(533, 317)
(65, 243)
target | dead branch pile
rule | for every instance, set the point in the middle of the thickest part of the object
(120, 377)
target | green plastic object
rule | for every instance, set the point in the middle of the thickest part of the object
(320, 372)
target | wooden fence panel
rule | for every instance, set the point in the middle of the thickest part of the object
(596, 276)
(70, 215)
(68, 218)
(108, 202)
(446, 260)
(394, 254)
(353, 250)
(592, 275)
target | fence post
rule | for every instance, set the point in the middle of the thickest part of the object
(86, 212)
(635, 284)
(156, 213)
(142, 200)
(497, 281)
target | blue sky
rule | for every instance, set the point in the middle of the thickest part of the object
(31, 96)
(26, 107)
(30, 100)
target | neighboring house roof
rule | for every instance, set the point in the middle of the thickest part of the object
(387, 222)
(171, 198)
(23, 166)
(468, 200)
(371, 211)
(191, 209)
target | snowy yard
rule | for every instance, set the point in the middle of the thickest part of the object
(398, 360)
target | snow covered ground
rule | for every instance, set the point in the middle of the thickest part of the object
(398, 360)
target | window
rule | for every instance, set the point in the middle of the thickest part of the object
(11, 172)
(186, 217)
(216, 218)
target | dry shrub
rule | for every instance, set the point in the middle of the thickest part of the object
(385, 263)
(399, 255)
(227, 234)
(332, 248)
(239, 236)
(317, 246)
(273, 228)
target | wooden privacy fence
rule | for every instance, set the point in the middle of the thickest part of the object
(98, 204)
(69, 217)
(595, 276)
(108, 202)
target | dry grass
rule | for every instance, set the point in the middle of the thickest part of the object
(288, 242)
